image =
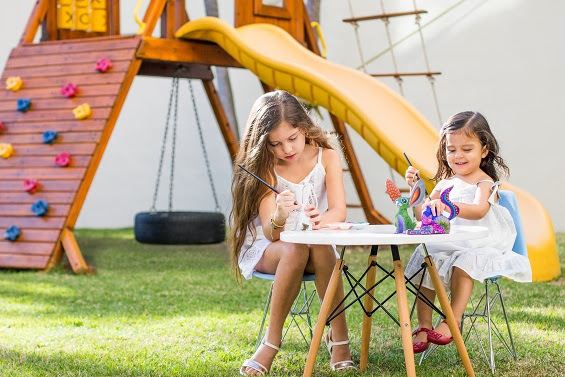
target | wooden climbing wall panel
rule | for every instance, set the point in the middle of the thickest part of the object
(44, 69)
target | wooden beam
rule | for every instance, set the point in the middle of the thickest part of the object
(72, 250)
(173, 50)
(168, 20)
(114, 17)
(384, 16)
(371, 213)
(221, 117)
(152, 14)
(167, 69)
(35, 20)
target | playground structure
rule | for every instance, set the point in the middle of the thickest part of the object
(276, 43)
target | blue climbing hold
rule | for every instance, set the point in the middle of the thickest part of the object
(39, 208)
(49, 136)
(24, 104)
(12, 233)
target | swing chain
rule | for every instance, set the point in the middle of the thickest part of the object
(204, 152)
(173, 93)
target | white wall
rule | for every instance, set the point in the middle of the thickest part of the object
(502, 58)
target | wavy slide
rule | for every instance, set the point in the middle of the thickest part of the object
(385, 120)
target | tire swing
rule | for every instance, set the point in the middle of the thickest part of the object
(175, 227)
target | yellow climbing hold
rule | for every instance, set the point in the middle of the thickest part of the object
(14, 83)
(82, 112)
(6, 150)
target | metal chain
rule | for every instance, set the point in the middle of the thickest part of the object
(204, 153)
(174, 84)
(174, 146)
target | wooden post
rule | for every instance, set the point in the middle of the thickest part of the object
(72, 250)
(35, 20)
(446, 307)
(403, 313)
(327, 304)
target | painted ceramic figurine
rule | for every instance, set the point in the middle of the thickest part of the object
(402, 220)
(438, 224)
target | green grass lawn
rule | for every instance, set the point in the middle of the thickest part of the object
(176, 311)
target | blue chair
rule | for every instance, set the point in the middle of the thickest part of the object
(300, 310)
(484, 307)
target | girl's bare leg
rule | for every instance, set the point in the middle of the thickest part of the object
(287, 261)
(321, 262)
(424, 314)
(461, 289)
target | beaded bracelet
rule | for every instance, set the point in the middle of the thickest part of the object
(274, 225)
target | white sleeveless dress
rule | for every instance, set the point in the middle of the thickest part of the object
(312, 189)
(481, 258)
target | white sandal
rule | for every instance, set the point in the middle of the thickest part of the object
(255, 365)
(340, 365)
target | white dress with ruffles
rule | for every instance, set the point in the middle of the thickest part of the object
(311, 190)
(482, 258)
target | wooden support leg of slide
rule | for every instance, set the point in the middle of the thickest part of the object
(72, 250)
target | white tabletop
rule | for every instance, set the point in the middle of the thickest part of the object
(380, 235)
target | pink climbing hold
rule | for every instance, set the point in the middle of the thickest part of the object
(30, 185)
(103, 64)
(1, 127)
(63, 159)
(69, 90)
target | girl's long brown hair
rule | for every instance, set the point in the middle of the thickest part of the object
(473, 124)
(267, 113)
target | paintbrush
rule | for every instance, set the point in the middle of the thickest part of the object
(262, 181)
(409, 163)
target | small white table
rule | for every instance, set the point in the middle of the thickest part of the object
(379, 235)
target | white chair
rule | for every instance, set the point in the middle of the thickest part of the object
(299, 312)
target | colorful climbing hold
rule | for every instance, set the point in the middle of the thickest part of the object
(6, 150)
(49, 137)
(14, 83)
(30, 185)
(63, 159)
(23, 104)
(103, 64)
(39, 208)
(69, 90)
(82, 112)
(1, 127)
(12, 233)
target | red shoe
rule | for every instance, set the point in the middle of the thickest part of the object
(420, 347)
(439, 339)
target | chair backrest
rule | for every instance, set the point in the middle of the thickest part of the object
(508, 200)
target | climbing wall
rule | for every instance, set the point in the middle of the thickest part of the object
(43, 144)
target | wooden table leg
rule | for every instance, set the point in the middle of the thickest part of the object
(403, 313)
(446, 307)
(327, 306)
(368, 304)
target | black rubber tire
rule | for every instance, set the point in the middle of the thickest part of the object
(179, 228)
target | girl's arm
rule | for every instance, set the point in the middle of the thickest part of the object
(273, 212)
(480, 206)
(334, 185)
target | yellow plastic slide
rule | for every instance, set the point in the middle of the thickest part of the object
(385, 120)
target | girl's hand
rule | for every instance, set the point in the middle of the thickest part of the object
(314, 214)
(285, 202)
(412, 175)
(436, 205)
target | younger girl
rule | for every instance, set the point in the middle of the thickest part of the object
(285, 148)
(468, 160)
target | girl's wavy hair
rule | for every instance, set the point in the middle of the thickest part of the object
(473, 124)
(268, 111)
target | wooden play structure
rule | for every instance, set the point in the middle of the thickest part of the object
(76, 37)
